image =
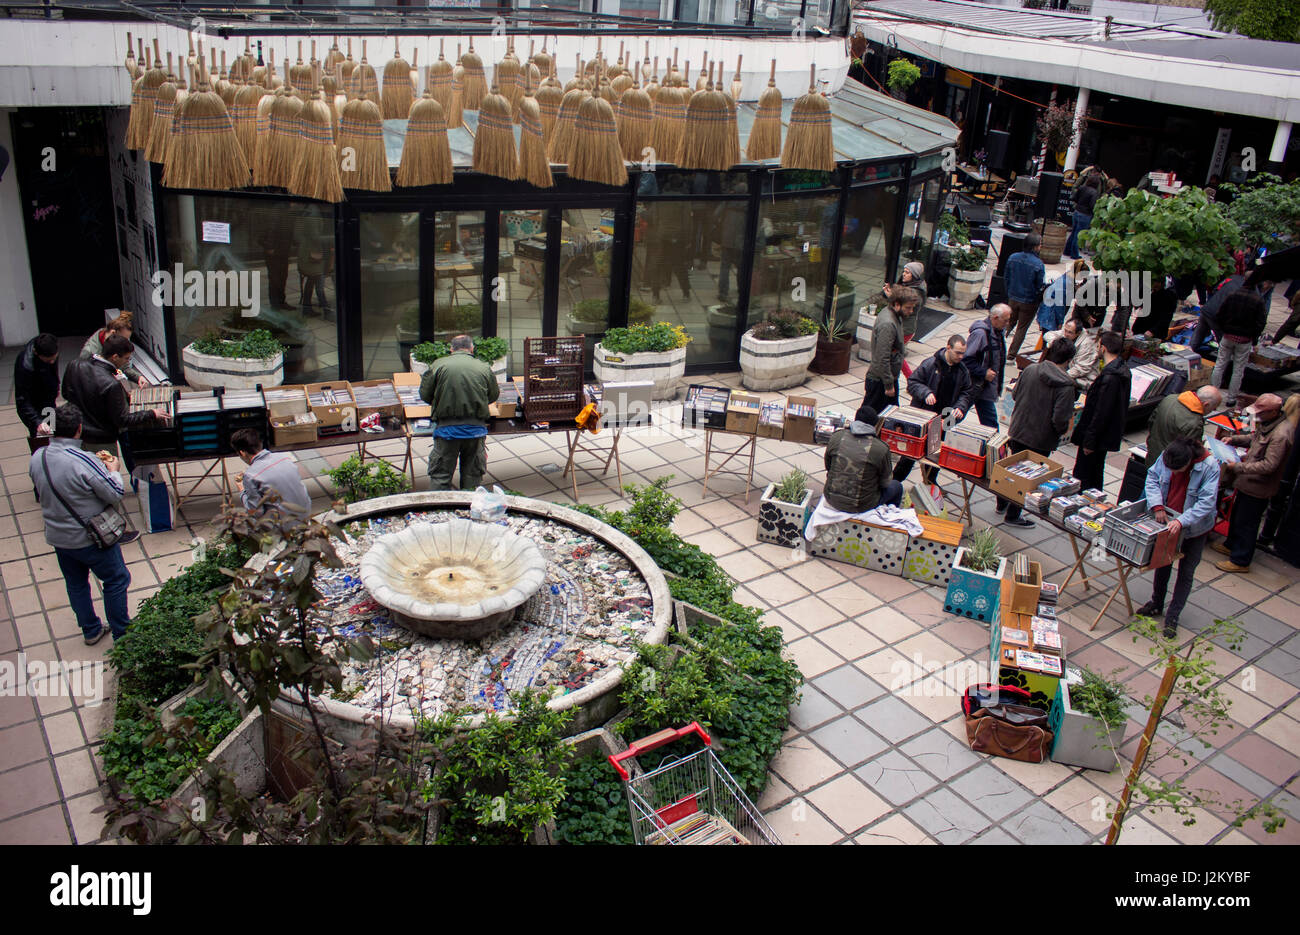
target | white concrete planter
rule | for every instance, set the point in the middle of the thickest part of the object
(204, 371)
(500, 368)
(775, 365)
(866, 325)
(663, 368)
(781, 522)
(417, 367)
(965, 286)
(1081, 739)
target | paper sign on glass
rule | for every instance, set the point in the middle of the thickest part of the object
(216, 232)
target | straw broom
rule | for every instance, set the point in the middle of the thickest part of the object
(605, 91)
(544, 61)
(349, 66)
(160, 133)
(559, 149)
(365, 83)
(330, 85)
(361, 152)
(596, 156)
(645, 67)
(506, 77)
(415, 75)
(620, 86)
(549, 96)
(299, 75)
(652, 83)
(397, 99)
(532, 75)
(668, 125)
(634, 115)
(733, 125)
(808, 142)
(206, 150)
(129, 64)
(707, 143)
(579, 80)
(191, 60)
(475, 82)
(140, 123)
(765, 135)
(455, 115)
(533, 166)
(426, 152)
(262, 144)
(440, 81)
(737, 82)
(283, 137)
(227, 89)
(333, 58)
(494, 142)
(706, 75)
(244, 117)
(316, 173)
(619, 67)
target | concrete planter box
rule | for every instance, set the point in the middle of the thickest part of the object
(1081, 739)
(663, 368)
(205, 371)
(775, 365)
(780, 522)
(973, 594)
(866, 325)
(965, 286)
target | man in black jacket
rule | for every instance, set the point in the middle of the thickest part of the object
(95, 386)
(1044, 404)
(36, 382)
(1101, 426)
(939, 383)
(1242, 320)
(986, 361)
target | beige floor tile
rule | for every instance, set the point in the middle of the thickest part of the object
(812, 657)
(894, 830)
(76, 772)
(33, 630)
(1081, 802)
(850, 598)
(1235, 836)
(1253, 680)
(46, 826)
(800, 823)
(932, 650)
(715, 542)
(1282, 730)
(850, 640)
(1207, 825)
(1242, 588)
(743, 565)
(1281, 608)
(1245, 708)
(1038, 778)
(1138, 831)
(848, 803)
(802, 766)
(63, 731)
(142, 574)
(15, 574)
(775, 589)
(888, 625)
(812, 613)
(885, 666)
(776, 794)
(27, 788)
(63, 622)
(25, 600)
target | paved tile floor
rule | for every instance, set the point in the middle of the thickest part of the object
(875, 752)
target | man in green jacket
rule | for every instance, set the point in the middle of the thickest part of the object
(1180, 416)
(459, 387)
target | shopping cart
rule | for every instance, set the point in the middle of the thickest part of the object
(688, 800)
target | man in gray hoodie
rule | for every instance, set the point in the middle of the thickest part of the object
(1044, 408)
(89, 485)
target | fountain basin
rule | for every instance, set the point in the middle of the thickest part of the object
(453, 580)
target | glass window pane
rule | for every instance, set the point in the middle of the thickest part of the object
(390, 291)
(458, 274)
(792, 255)
(586, 252)
(918, 247)
(522, 266)
(868, 238)
(685, 269)
(283, 252)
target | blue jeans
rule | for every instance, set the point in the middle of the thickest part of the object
(987, 410)
(1081, 223)
(107, 564)
(891, 494)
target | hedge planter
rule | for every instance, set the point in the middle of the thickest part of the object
(781, 522)
(973, 594)
(663, 368)
(964, 286)
(1081, 739)
(205, 371)
(500, 368)
(775, 365)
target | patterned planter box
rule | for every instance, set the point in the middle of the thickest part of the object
(1081, 739)
(862, 544)
(780, 522)
(930, 555)
(973, 594)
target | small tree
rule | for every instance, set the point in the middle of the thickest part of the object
(1057, 127)
(1267, 211)
(1278, 20)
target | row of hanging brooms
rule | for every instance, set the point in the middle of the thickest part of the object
(316, 127)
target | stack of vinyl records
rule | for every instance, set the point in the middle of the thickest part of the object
(1149, 383)
(973, 438)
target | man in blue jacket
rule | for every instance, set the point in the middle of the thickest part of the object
(1185, 479)
(1026, 278)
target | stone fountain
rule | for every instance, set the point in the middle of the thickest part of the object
(453, 580)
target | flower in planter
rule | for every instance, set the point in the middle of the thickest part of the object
(637, 339)
(783, 325)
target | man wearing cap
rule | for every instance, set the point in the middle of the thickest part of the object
(859, 469)
(1255, 478)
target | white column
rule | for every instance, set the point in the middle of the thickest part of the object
(18, 317)
(1281, 137)
(1080, 108)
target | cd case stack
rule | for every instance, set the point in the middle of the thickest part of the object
(1065, 506)
(1149, 383)
(705, 407)
(198, 422)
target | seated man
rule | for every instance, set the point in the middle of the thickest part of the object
(268, 472)
(859, 469)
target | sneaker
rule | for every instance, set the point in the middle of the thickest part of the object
(1021, 521)
(1231, 566)
(1149, 609)
(131, 535)
(1171, 628)
(1000, 506)
(1220, 548)
(99, 635)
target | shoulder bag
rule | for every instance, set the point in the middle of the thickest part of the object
(104, 528)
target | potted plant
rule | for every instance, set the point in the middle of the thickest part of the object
(243, 364)
(784, 508)
(590, 318)
(355, 480)
(902, 74)
(952, 231)
(976, 581)
(1057, 128)
(1088, 721)
(654, 352)
(776, 352)
(834, 343)
(966, 278)
(494, 352)
(459, 319)
(846, 300)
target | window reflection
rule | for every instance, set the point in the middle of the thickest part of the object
(586, 252)
(286, 250)
(459, 242)
(923, 211)
(867, 242)
(792, 256)
(390, 290)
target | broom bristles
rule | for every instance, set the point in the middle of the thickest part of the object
(316, 173)
(283, 138)
(635, 112)
(160, 133)
(596, 155)
(361, 130)
(708, 131)
(426, 152)
(560, 148)
(494, 141)
(533, 165)
(206, 149)
(456, 107)
(808, 143)
(668, 125)
(440, 83)
(507, 77)
(397, 99)
(765, 135)
(475, 81)
(365, 83)
(262, 147)
(549, 96)
(244, 117)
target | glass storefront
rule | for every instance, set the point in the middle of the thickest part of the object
(924, 204)
(792, 255)
(390, 290)
(586, 258)
(868, 244)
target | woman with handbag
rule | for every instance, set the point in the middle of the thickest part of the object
(79, 495)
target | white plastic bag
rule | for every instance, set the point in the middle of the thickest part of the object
(488, 507)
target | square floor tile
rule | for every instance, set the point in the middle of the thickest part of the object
(1040, 824)
(992, 792)
(940, 753)
(813, 709)
(848, 687)
(893, 719)
(947, 817)
(848, 803)
(896, 777)
(848, 741)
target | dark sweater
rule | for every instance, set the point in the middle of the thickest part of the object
(36, 386)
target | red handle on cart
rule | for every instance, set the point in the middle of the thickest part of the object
(654, 742)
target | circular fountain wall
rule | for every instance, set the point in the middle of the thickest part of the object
(601, 594)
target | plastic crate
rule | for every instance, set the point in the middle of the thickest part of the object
(1130, 544)
(963, 462)
(906, 446)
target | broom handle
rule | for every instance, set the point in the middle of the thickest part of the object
(157, 55)
(812, 78)
(349, 47)
(363, 48)
(223, 61)
(771, 78)
(441, 40)
(313, 50)
(655, 76)
(739, 59)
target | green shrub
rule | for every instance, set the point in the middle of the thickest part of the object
(594, 808)
(356, 480)
(636, 339)
(151, 766)
(485, 349)
(256, 345)
(969, 260)
(902, 75)
(782, 325)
